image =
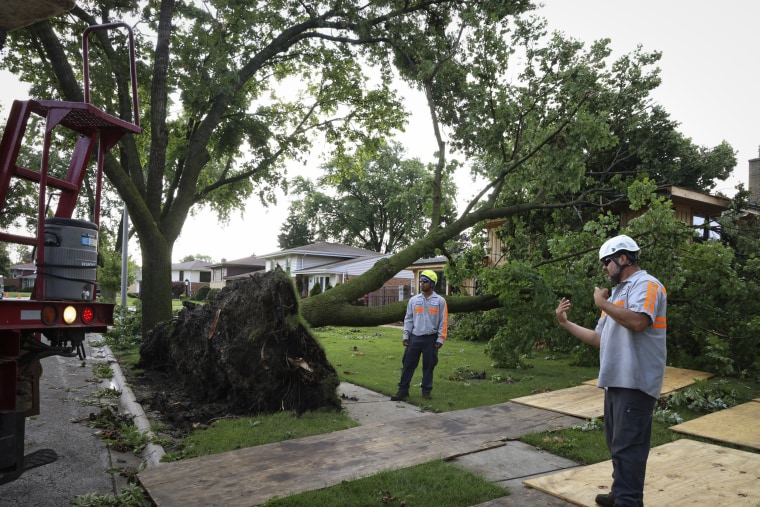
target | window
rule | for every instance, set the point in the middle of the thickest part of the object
(706, 227)
(205, 276)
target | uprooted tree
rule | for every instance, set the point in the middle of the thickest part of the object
(553, 129)
(236, 90)
(248, 349)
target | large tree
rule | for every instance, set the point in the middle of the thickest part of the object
(231, 91)
(549, 125)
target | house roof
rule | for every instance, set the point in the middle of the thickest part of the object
(324, 249)
(27, 266)
(432, 261)
(245, 261)
(192, 266)
(350, 266)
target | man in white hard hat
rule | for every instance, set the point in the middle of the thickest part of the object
(425, 327)
(630, 336)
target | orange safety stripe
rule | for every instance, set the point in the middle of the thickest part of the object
(651, 296)
(660, 323)
(433, 311)
(445, 322)
(419, 309)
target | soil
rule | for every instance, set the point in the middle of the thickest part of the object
(244, 353)
(172, 411)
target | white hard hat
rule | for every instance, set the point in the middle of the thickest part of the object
(617, 244)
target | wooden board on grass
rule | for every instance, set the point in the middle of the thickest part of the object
(684, 472)
(736, 425)
(580, 401)
(254, 475)
(675, 378)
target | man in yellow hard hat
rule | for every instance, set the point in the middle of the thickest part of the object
(425, 326)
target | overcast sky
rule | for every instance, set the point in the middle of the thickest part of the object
(709, 85)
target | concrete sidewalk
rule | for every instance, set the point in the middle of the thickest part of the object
(507, 465)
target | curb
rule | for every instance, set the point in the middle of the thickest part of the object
(153, 452)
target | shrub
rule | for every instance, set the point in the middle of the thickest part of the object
(178, 289)
(202, 293)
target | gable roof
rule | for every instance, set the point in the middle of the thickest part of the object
(192, 266)
(324, 249)
(251, 260)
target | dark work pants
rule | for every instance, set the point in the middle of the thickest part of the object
(419, 346)
(628, 428)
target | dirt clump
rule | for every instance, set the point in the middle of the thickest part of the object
(245, 353)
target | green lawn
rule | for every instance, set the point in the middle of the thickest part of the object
(465, 377)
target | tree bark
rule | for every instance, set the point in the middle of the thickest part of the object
(156, 284)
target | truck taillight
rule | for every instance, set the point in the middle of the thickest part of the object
(88, 314)
(69, 315)
(49, 315)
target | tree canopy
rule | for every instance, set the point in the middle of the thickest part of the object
(557, 131)
(231, 91)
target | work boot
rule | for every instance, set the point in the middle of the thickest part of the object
(605, 499)
(400, 396)
(608, 500)
(427, 396)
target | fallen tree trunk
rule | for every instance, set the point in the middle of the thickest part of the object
(248, 349)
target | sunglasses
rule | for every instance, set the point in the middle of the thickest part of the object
(609, 259)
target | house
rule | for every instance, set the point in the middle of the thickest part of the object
(230, 270)
(195, 274)
(22, 277)
(329, 264)
(691, 207)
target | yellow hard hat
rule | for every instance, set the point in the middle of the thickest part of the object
(430, 275)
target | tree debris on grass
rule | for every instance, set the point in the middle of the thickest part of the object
(248, 350)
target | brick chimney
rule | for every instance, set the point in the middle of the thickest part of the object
(754, 179)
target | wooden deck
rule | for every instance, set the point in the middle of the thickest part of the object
(684, 472)
(587, 400)
(736, 425)
(251, 476)
(675, 378)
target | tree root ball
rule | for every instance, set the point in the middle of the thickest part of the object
(248, 349)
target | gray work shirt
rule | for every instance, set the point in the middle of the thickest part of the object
(629, 359)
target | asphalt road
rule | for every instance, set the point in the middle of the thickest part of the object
(84, 460)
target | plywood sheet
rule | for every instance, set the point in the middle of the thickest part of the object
(736, 425)
(580, 401)
(684, 472)
(251, 476)
(675, 378)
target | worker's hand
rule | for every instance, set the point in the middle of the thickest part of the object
(600, 296)
(438, 345)
(561, 311)
(406, 342)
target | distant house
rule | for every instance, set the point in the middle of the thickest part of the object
(230, 270)
(329, 264)
(22, 277)
(195, 274)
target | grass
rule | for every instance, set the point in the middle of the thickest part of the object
(238, 433)
(435, 484)
(371, 358)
